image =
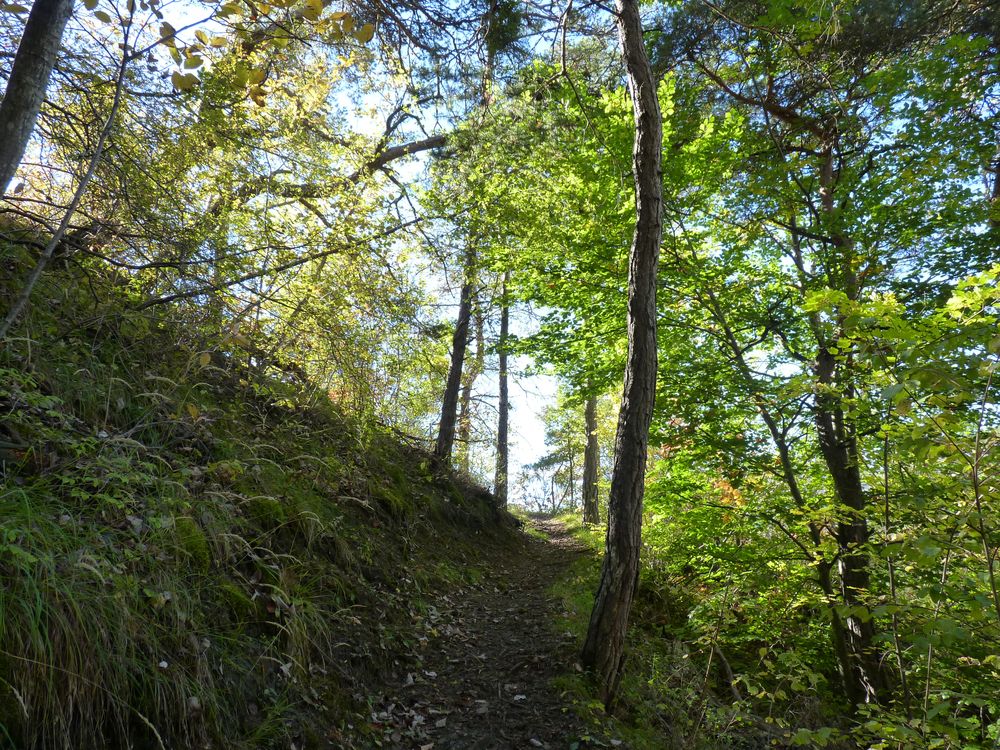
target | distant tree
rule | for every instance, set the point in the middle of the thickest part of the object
(459, 343)
(500, 483)
(591, 464)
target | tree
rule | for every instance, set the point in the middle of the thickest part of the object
(591, 463)
(29, 78)
(500, 482)
(449, 402)
(603, 650)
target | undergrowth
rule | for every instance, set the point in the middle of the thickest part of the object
(196, 552)
(671, 695)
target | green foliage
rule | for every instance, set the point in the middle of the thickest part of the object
(192, 541)
(822, 462)
(266, 512)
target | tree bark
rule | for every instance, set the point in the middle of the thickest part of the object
(591, 463)
(459, 342)
(503, 453)
(604, 649)
(865, 680)
(470, 374)
(29, 77)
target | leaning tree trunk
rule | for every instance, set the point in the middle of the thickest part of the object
(459, 342)
(591, 464)
(503, 454)
(29, 77)
(603, 651)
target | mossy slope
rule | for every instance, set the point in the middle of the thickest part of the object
(195, 553)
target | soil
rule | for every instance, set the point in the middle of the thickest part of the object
(487, 656)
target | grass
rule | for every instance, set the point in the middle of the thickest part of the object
(186, 548)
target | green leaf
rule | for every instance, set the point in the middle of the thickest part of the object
(891, 391)
(101, 15)
(365, 33)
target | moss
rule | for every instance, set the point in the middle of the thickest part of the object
(191, 540)
(266, 512)
(239, 603)
(391, 498)
(308, 513)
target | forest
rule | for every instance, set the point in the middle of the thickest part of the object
(279, 282)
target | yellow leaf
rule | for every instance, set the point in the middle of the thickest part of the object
(219, 41)
(365, 33)
(202, 36)
(257, 94)
(193, 411)
(313, 9)
(167, 33)
(204, 359)
(183, 81)
(257, 76)
(348, 23)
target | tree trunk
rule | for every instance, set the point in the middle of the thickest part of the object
(865, 682)
(838, 631)
(468, 381)
(449, 404)
(503, 454)
(572, 481)
(603, 651)
(29, 77)
(591, 462)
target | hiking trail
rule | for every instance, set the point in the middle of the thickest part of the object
(487, 656)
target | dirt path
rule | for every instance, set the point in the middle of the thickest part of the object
(490, 653)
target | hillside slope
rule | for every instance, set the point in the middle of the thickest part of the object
(197, 551)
